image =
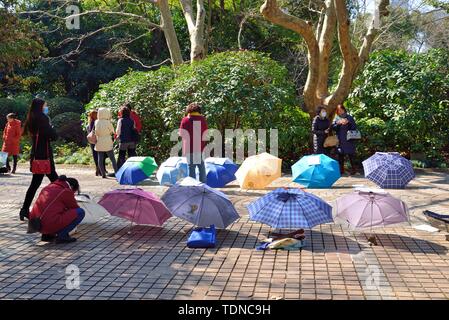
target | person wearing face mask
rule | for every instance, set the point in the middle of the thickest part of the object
(37, 127)
(342, 123)
(320, 130)
(58, 211)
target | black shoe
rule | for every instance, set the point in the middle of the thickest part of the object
(65, 240)
(111, 175)
(48, 237)
(23, 214)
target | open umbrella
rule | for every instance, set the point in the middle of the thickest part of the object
(93, 211)
(136, 169)
(290, 208)
(219, 171)
(258, 171)
(388, 170)
(172, 170)
(316, 171)
(200, 204)
(136, 205)
(368, 209)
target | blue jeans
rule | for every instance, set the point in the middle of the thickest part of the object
(196, 160)
(64, 233)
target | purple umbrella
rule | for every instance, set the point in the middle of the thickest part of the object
(363, 209)
(136, 205)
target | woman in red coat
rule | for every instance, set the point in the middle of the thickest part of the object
(11, 140)
(58, 210)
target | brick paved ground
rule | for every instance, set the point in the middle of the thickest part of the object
(154, 263)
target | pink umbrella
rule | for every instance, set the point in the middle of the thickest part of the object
(368, 209)
(136, 205)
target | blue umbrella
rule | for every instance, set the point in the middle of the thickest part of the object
(136, 169)
(172, 170)
(316, 171)
(219, 172)
(290, 209)
(200, 204)
(388, 170)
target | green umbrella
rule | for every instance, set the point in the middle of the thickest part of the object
(147, 164)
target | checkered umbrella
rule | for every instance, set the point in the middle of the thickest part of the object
(388, 170)
(289, 208)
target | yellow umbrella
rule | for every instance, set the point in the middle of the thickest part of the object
(258, 171)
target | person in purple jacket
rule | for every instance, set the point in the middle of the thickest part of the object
(344, 122)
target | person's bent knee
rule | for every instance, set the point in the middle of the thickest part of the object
(81, 213)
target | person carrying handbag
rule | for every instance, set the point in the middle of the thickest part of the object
(37, 126)
(127, 135)
(320, 130)
(342, 124)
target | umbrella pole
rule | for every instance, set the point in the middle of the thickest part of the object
(372, 237)
(134, 214)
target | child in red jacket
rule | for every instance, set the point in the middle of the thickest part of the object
(58, 210)
(11, 140)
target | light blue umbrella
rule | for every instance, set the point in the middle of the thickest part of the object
(290, 208)
(172, 170)
(316, 171)
(200, 204)
(388, 170)
(219, 171)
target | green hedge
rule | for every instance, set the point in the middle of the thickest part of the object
(401, 103)
(237, 90)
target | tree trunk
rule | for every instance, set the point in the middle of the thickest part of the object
(196, 28)
(169, 32)
(319, 46)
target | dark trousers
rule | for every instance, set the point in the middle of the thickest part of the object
(196, 160)
(101, 161)
(122, 156)
(36, 182)
(64, 233)
(95, 155)
(341, 161)
(14, 163)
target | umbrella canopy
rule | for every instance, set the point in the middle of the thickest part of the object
(93, 211)
(362, 209)
(316, 171)
(258, 171)
(219, 171)
(388, 170)
(172, 170)
(288, 208)
(136, 169)
(136, 205)
(200, 204)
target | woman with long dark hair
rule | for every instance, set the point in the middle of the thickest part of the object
(125, 134)
(90, 127)
(344, 122)
(37, 126)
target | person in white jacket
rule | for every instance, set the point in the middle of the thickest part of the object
(104, 131)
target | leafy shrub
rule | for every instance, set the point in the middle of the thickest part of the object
(18, 104)
(401, 101)
(59, 105)
(237, 90)
(68, 125)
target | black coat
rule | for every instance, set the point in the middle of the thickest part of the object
(319, 125)
(345, 146)
(44, 134)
